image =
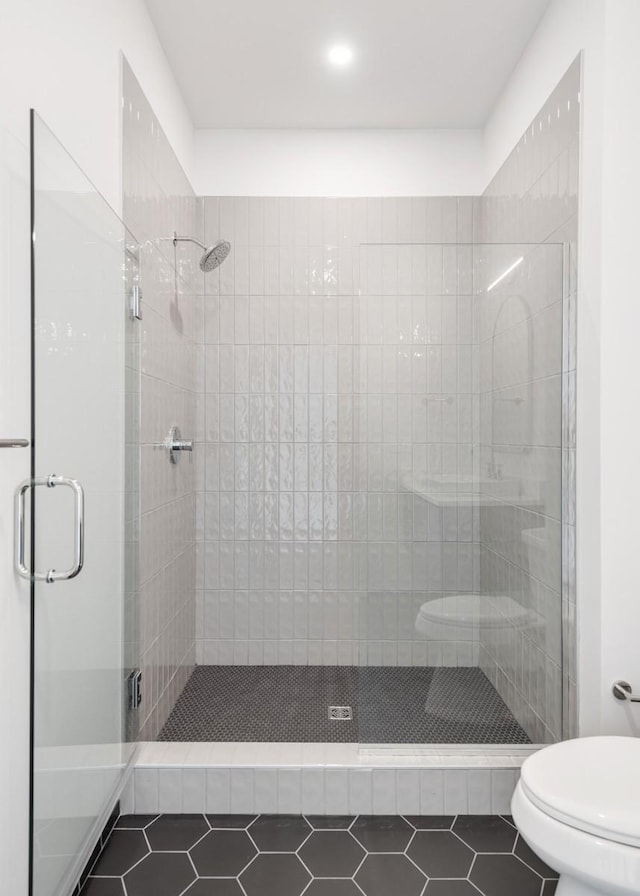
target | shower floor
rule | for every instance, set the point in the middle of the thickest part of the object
(438, 705)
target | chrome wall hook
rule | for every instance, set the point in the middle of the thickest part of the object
(622, 691)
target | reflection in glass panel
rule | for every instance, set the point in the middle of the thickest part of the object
(458, 416)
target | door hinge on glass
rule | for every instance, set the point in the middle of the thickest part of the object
(135, 692)
(135, 302)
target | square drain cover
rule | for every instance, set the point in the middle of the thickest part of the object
(340, 713)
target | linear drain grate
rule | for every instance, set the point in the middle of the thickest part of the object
(340, 714)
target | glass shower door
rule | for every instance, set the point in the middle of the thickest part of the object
(75, 506)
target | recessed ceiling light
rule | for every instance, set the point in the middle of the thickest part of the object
(340, 55)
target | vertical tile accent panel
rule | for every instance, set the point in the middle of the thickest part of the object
(157, 201)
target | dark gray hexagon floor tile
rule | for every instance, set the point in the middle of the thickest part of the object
(176, 832)
(451, 888)
(275, 875)
(160, 874)
(135, 822)
(212, 886)
(331, 854)
(485, 833)
(333, 888)
(330, 822)
(528, 856)
(549, 887)
(382, 833)
(124, 849)
(279, 833)
(504, 876)
(230, 821)
(440, 854)
(431, 822)
(381, 875)
(103, 886)
(223, 853)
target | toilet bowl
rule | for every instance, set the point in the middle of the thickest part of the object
(461, 617)
(577, 805)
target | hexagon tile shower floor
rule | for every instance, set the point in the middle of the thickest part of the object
(286, 855)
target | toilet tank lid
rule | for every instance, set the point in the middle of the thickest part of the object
(590, 783)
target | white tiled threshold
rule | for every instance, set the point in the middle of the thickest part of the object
(320, 779)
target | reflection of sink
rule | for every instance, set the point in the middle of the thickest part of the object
(451, 484)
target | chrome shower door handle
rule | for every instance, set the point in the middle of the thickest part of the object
(51, 575)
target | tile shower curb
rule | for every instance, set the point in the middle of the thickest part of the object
(320, 779)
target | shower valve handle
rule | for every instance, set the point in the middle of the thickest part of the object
(175, 444)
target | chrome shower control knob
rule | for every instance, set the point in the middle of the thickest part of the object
(176, 444)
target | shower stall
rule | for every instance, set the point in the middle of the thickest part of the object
(381, 515)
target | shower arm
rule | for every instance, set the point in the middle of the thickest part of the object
(187, 239)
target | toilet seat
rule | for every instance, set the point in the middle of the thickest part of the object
(591, 783)
(465, 610)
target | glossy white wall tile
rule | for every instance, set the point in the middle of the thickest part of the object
(247, 778)
(526, 336)
(338, 377)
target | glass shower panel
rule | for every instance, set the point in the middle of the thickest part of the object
(85, 405)
(458, 471)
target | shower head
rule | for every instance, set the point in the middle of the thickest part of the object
(212, 257)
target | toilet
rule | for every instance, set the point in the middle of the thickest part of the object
(577, 805)
(461, 617)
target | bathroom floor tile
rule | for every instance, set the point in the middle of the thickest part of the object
(160, 874)
(135, 822)
(176, 832)
(450, 888)
(332, 854)
(275, 875)
(223, 854)
(485, 833)
(290, 855)
(380, 875)
(330, 822)
(400, 704)
(440, 854)
(279, 833)
(382, 833)
(230, 821)
(504, 875)
(431, 822)
(125, 849)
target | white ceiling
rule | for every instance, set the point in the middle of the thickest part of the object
(417, 63)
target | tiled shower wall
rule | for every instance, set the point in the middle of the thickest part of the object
(530, 555)
(157, 201)
(325, 410)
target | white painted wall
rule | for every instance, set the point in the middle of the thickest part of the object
(338, 163)
(62, 58)
(619, 622)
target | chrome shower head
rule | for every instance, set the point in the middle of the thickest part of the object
(214, 256)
